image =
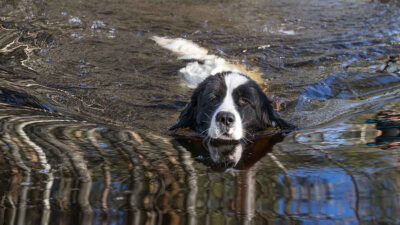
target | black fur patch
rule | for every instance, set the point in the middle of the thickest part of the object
(254, 107)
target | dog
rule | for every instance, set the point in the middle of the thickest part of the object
(226, 104)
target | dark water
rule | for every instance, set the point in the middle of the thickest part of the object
(86, 96)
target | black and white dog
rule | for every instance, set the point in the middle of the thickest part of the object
(226, 104)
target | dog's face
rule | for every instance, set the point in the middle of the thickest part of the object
(229, 106)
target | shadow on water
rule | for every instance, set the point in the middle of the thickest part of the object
(85, 97)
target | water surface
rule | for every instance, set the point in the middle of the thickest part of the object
(86, 97)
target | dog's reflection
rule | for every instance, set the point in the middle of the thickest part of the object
(226, 154)
(388, 127)
(221, 156)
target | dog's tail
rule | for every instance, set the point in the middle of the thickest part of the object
(195, 72)
(185, 49)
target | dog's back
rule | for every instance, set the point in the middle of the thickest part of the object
(201, 63)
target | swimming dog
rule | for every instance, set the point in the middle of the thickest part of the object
(226, 104)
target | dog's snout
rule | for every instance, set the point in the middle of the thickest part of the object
(226, 118)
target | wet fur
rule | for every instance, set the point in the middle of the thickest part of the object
(206, 98)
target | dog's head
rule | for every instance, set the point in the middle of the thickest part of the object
(229, 106)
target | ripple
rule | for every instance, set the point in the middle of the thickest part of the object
(96, 154)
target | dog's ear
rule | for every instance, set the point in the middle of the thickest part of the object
(187, 117)
(270, 118)
(189, 114)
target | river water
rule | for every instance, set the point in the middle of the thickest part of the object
(86, 97)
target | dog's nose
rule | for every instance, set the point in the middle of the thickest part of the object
(226, 118)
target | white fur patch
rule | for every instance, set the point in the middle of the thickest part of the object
(184, 48)
(232, 81)
(195, 72)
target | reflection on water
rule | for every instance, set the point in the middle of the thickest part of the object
(77, 172)
(85, 97)
(388, 126)
(221, 156)
(57, 170)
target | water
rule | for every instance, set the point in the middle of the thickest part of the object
(86, 97)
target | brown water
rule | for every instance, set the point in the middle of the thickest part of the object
(86, 97)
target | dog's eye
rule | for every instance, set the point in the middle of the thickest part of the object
(243, 101)
(212, 97)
